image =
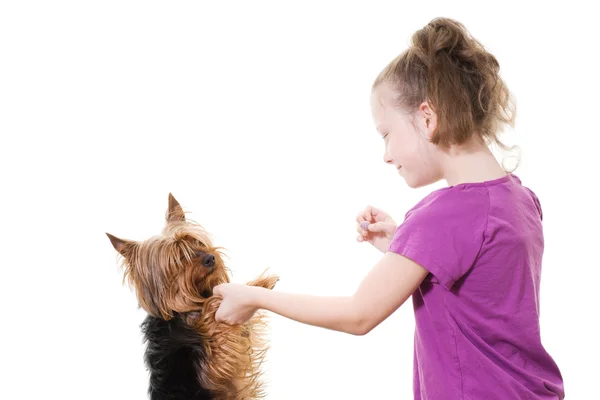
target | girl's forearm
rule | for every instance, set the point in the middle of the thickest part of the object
(335, 313)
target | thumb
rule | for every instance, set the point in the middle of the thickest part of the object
(218, 315)
(217, 290)
(386, 227)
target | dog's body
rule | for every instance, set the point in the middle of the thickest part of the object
(172, 349)
(188, 354)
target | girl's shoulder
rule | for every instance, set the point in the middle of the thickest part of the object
(471, 204)
(476, 195)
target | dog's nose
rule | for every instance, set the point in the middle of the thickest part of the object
(208, 261)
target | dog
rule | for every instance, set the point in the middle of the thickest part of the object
(188, 354)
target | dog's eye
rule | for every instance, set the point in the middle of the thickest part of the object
(201, 254)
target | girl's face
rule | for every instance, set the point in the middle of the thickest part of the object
(406, 137)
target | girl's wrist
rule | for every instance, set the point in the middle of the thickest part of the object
(258, 293)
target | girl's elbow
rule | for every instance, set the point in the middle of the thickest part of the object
(360, 331)
(361, 321)
(361, 327)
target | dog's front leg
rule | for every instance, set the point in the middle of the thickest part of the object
(264, 280)
(234, 354)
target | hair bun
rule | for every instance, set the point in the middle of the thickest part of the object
(444, 35)
(443, 39)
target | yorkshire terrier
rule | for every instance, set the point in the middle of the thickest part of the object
(188, 354)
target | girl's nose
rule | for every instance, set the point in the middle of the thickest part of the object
(386, 158)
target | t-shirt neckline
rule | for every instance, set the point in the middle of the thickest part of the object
(491, 182)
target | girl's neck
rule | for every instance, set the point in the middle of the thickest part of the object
(471, 163)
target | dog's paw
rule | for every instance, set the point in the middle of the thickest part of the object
(270, 281)
(266, 281)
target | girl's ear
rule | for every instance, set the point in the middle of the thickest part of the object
(426, 119)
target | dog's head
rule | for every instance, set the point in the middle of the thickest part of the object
(175, 271)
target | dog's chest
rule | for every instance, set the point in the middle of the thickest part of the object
(173, 350)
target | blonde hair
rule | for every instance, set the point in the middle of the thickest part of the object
(460, 80)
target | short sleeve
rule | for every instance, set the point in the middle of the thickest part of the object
(536, 202)
(445, 234)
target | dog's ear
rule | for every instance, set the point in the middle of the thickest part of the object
(175, 212)
(122, 246)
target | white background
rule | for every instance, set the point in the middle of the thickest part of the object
(256, 116)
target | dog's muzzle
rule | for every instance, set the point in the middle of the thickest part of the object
(208, 261)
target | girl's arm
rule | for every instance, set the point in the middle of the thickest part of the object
(387, 286)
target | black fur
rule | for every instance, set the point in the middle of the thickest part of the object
(172, 350)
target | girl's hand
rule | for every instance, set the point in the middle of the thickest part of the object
(237, 306)
(376, 227)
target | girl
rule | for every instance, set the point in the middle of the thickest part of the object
(469, 254)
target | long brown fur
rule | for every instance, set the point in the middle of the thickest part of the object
(171, 280)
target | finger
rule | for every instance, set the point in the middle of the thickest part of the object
(361, 228)
(360, 217)
(375, 227)
(382, 227)
(220, 317)
(365, 215)
(377, 213)
(217, 290)
(382, 216)
(368, 213)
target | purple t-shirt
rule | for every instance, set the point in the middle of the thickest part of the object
(477, 332)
